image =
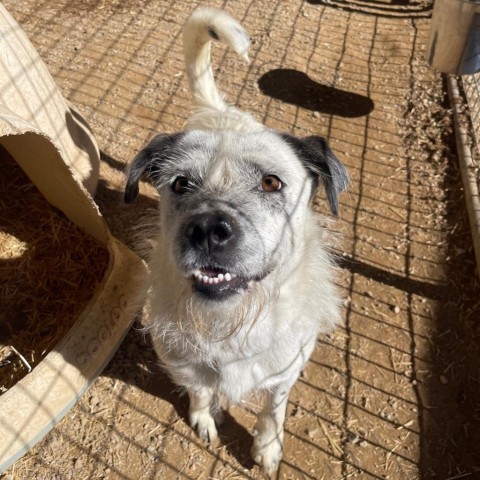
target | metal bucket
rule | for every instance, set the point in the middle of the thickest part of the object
(455, 36)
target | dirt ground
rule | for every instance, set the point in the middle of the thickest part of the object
(395, 394)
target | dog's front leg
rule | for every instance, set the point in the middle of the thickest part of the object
(200, 414)
(268, 444)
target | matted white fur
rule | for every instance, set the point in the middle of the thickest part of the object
(258, 335)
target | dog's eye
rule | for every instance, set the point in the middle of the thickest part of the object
(181, 185)
(271, 183)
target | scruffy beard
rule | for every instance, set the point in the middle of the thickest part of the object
(200, 321)
(219, 320)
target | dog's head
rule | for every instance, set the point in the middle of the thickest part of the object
(234, 204)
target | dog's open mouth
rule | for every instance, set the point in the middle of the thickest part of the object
(217, 283)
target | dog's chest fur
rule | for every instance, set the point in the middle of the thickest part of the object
(263, 351)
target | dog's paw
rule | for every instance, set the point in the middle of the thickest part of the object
(204, 424)
(267, 452)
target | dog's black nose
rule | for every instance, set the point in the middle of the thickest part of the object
(210, 232)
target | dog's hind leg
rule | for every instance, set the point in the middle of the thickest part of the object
(200, 413)
(267, 448)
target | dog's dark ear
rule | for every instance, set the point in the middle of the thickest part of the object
(322, 164)
(148, 163)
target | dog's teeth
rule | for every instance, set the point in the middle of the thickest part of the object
(221, 277)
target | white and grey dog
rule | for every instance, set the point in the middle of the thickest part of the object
(240, 280)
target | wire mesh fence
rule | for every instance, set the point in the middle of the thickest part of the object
(380, 398)
(471, 85)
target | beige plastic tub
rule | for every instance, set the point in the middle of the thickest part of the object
(53, 146)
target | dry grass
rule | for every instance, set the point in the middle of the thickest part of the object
(49, 270)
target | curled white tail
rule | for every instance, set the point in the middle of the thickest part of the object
(211, 111)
